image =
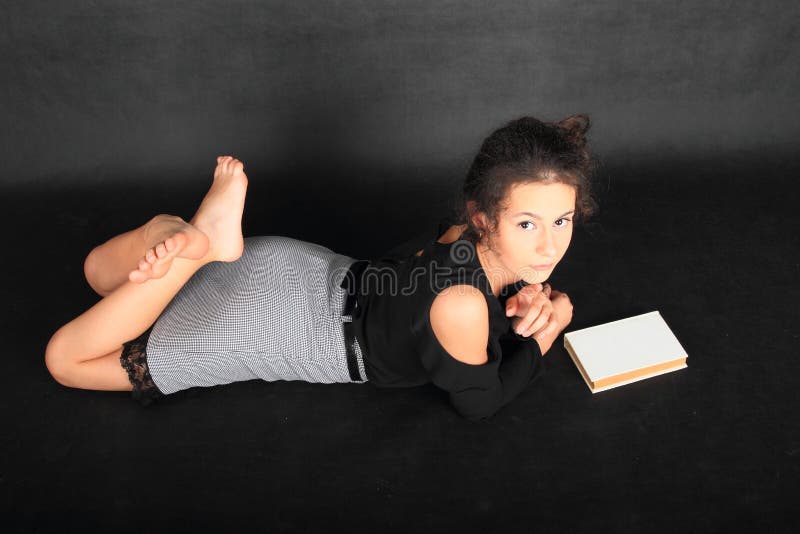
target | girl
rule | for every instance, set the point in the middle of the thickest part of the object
(469, 312)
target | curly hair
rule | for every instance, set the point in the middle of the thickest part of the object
(526, 150)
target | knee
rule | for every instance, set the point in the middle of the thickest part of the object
(90, 272)
(89, 264)
(58, 365)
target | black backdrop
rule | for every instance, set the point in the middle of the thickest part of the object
(129, 90)
(356, 122)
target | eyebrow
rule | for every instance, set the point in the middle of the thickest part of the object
(537, 216)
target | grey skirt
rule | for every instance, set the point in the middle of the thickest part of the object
(276, 313)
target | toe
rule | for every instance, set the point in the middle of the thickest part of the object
(161, 250)
(150, 256)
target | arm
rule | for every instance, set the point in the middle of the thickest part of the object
(477, 387)
(544, 343)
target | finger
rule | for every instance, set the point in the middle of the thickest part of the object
(538, 305)
(547, 329)
(547, 290)
(532, 313)
(550, 329)
(519, 303)
(531, 289)
(541, 321)
(511, 306)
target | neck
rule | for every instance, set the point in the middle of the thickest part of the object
(495, 274)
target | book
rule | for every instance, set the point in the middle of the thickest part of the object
(620, 352)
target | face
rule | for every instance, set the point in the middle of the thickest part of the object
(533, 233)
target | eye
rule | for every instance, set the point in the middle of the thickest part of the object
(566, 221)
(524, 222)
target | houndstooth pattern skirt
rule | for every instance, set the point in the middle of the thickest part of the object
(273, 314)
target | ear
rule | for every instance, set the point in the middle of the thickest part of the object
(478, 218)
(481, 221)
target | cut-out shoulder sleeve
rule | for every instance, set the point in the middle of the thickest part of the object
(460, 321)
(479, 391)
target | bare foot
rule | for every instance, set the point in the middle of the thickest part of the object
(220, 213)
(168, 237)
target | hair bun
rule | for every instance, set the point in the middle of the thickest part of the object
(574, 128)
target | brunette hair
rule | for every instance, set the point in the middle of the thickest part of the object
(526, 150)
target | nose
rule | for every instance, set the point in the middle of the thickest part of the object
(546, 247)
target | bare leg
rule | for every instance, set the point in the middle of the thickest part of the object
(154, 244)
(104, 373)
(123, 249)
(132, 308)
(142, 253)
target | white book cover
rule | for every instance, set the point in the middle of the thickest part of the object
(620, 352)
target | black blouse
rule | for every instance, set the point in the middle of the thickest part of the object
(392, 324)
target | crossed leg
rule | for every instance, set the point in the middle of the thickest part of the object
(84, 353)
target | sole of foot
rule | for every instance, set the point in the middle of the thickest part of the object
(220, 213)
(168, 237)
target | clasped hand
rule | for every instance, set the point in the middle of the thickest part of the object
(535, 312)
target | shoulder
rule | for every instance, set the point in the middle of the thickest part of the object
(459, 318)
(452, 234)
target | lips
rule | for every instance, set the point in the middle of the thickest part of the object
(543, 267)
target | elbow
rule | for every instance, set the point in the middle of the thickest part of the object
(475, 413)
(477, 416)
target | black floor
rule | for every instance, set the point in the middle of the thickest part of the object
(711, 244)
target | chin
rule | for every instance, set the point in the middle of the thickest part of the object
(536, 277)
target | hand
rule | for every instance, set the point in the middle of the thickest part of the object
(559, 319)
(562, 308)
(531, 309)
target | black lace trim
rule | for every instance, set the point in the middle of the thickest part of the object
(134, 361)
